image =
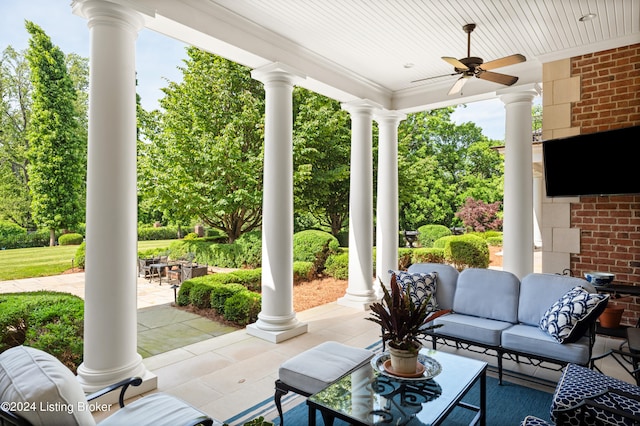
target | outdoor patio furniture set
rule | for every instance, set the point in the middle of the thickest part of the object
(174, 270)
(534, 320)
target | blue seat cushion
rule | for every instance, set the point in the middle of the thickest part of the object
(482, 330)
(531, 340)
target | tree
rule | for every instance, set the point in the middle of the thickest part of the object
(15, 113)
(321, 147)
(440, 165)
(56, 153)
(480, 216)
(205, 158)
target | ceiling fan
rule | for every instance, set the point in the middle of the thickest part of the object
(472, 66)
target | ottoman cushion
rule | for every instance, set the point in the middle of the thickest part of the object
(578, 383)
(316, 368)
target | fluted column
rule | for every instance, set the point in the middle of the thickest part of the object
(360, 291)
(277, 321)
(110, 318)
(518, 182)
(387, 200)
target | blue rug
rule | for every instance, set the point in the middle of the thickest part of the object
(506, 405)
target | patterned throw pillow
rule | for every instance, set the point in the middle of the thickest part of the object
(420, 287)
(568, 319)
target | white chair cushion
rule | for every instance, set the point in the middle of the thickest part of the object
(157, 409)
(29, 375)
(316, 368)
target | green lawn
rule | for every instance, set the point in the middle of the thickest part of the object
(44, 261)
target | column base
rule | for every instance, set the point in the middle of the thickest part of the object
(357, 302)
(276, 336)
(95, 380)
(149, 383)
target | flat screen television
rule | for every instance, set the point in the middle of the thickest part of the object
(602, 163)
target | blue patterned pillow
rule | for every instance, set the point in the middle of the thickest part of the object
(420, 287)
(568, 319)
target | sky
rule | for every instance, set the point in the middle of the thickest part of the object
(158, 56)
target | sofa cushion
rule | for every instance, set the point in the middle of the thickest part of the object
(487, 293)
(539, 291)
(531, 340)
(31, 376)
(420, 286)
(482, 330)
(569, 317)
(445, 283)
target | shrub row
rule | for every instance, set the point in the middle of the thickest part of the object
(51, 321)
(72, 239)
(147, 233)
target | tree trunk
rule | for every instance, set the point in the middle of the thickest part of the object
(52, 237)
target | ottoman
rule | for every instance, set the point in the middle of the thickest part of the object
(314, 369)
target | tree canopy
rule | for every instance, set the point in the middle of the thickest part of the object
(204, 158)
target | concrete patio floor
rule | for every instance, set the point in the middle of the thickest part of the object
(225, 372)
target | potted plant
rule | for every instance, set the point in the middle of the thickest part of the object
(403, 323)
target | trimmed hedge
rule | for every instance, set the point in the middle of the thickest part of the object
(314, 246)
(427, 255)
(302, 271)
(222, 255)
(430, 233)
(146, 233)
(46, 320)
(337, 265)
(216, 290)
(466, 251)
(79, 257)
(70, 239)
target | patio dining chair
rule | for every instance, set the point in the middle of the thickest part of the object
(31, 379)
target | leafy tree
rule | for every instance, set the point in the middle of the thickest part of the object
(15, 113)
(440, 165)
(203, 157)
(321, 147)
(480, 216)
(56, 154)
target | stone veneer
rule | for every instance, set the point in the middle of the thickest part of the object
(587, 94)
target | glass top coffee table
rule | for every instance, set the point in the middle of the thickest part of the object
(368, 396)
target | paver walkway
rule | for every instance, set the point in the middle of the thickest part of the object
(161, 327)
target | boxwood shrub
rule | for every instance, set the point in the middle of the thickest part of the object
(427, 255)
(47, 320)
(337, 265)
(79, 257)
(467, 251)
(214, 254)
(243, 307)
(221, 292)
(70, 239)
(314, 246)
(430, 233)
(302, 271)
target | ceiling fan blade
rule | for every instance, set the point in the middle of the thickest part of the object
(456, 63)
(503, 62)
(437, 76)
(457, 86)
(496, 77)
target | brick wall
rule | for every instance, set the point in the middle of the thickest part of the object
(610, 225)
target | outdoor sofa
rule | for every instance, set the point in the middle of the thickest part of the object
(541, 318)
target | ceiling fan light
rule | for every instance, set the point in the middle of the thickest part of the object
(588, 17)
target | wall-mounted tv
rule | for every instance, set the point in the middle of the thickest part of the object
(602, 163)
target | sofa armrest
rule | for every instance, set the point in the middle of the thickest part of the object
(124, 384)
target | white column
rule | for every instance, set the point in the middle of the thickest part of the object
(518, 182)
(360, 291)
(110, 334)
(277, 321)
(387, 200)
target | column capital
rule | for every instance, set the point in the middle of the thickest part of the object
(389, 116)
(109, 13)
(277, 72)
(361, 106)
(524, 93)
